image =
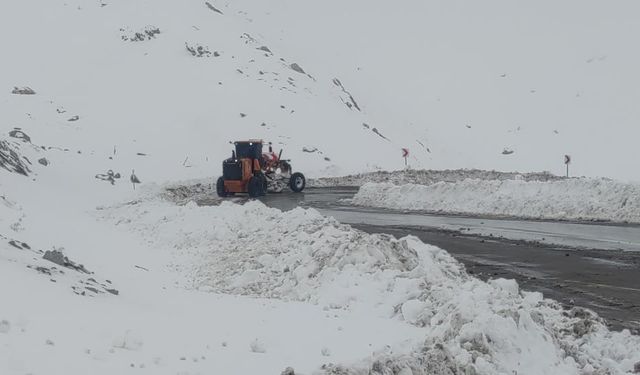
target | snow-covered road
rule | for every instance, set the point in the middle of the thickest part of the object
(592, 236)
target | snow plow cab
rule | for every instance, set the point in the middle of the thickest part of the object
(251, 171)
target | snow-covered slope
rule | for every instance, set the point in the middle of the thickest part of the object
(455, 82)
(118, 80)
(569, 199)
(459, 82)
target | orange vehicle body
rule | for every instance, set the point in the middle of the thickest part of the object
(242, 186)
(250, 170)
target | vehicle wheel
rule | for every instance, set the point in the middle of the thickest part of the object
(265, 184)
(220, 188)
(297, 182)
(255, 187)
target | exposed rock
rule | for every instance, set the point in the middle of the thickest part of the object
(43, 161)
(248, 38)
(92, 289)
(19, 245)
(146, 33)
(379, 134)
(23, 91)
(43, 270)
(197, 50)
(297, 68)
(210, 6)
(349, 101)
(265, 49)
(60, 259)
(17, 133)
(11, 160)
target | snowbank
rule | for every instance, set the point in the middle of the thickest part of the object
(571, 199)
(429, 176)
(472, 326)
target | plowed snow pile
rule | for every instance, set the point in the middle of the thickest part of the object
(473, 327)
(429, 176)
(571, 199)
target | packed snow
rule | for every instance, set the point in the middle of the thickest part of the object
(428, 177)
(470, 325)
(78, 292)
(569, 199)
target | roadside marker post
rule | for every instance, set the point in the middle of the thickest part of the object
(567, 161)
(405, 155)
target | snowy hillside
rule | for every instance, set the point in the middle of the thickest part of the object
(569, 199)
(163, 86)
(96, 276)
(461, 82)
(456, 83)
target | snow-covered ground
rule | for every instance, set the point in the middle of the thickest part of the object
(469, 325)
(428, 177)
(569, 199)
(97, 277)
(124, 303)
(248, 289)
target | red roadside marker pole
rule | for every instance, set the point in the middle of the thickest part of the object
(405, 155)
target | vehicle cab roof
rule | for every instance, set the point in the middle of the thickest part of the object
(259, 141)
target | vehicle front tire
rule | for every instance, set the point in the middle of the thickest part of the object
(256, 187)
(297, 182)
(220, 188)
(265, 184)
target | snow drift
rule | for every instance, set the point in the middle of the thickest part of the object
(428, 177)
(570, 199)
(473, 327)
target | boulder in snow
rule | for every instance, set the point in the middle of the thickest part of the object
(23, 91)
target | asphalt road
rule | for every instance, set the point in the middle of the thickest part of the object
(593, 265)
